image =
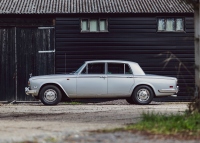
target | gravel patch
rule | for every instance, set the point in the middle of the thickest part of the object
(36, 123)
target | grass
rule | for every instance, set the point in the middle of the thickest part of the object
(174, 124)
(182, 126)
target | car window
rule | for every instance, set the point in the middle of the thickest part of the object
(119, 68)
(79, 69)
(128, 69)
(115, 68)
(94, 68)
(84, 71)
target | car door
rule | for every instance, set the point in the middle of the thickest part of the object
(92, 81)
(120, 80)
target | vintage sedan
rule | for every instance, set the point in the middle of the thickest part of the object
(102, 79)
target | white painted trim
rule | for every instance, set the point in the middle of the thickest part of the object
(52, 51)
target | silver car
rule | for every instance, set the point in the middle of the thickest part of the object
(102, 79)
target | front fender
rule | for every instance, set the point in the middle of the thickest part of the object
(38, 85)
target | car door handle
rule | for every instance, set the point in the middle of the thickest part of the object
(129, 77)
(102, 76)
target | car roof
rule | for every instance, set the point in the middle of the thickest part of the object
(110, 61)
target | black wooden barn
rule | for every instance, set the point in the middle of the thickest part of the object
(57, 36)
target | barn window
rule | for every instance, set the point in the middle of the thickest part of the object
(170, 25)
(94, 25)
(84, 24)
(103, 25)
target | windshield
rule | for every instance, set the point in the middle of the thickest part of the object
(79, 69)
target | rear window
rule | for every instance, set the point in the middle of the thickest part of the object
(118, 68)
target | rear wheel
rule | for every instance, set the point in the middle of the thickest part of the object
(142, 95)
(50, 95)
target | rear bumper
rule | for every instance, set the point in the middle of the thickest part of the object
(170, 90)
(29, 92)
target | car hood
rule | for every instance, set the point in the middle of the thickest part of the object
(155, 76)
(53, 76)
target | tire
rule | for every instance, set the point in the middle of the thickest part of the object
(142, 95)
(50, 95)
(130, 100)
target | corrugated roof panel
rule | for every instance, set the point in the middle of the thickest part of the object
(8, 7)
(119, 6)
(38, 6)
(51, 6)
(115, 9)
(164, 8)
(73, 7)
(173, 6)
(153, 7)
(129, 7)
(144, 6)
(110, 6)
(157, 5)
(93, 6)
(28, 9)
(107, 7)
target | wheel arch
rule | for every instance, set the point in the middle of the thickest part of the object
(154, 95)
(57, 85)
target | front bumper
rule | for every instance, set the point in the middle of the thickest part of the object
(28, 91)
(170, 90)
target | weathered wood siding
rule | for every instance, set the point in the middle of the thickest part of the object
(7, 64)
(29, 42)
(129, 38)
(19, 58)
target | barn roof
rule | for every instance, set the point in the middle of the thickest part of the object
(93, 6)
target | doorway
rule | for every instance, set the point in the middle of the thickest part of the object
(20, 57)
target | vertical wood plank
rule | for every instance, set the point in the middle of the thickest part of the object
(29, 42)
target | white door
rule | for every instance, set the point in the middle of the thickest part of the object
(120, 80)
(92, 82)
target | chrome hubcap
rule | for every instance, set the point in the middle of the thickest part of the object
(50, 95)
(143, 95)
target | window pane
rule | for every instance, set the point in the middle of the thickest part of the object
(179, 24)
(115, 68)
(103, 25)
(161, 24)
(128, 69)
(84, 25)
(84, 71)
(97, 68)
(170, 24)
(93, 25)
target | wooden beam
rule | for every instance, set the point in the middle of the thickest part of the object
(197, 50)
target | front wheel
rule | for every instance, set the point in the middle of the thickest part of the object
(142, 95)
(50, 95)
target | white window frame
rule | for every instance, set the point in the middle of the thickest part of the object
(98, 25)
(175, 19)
